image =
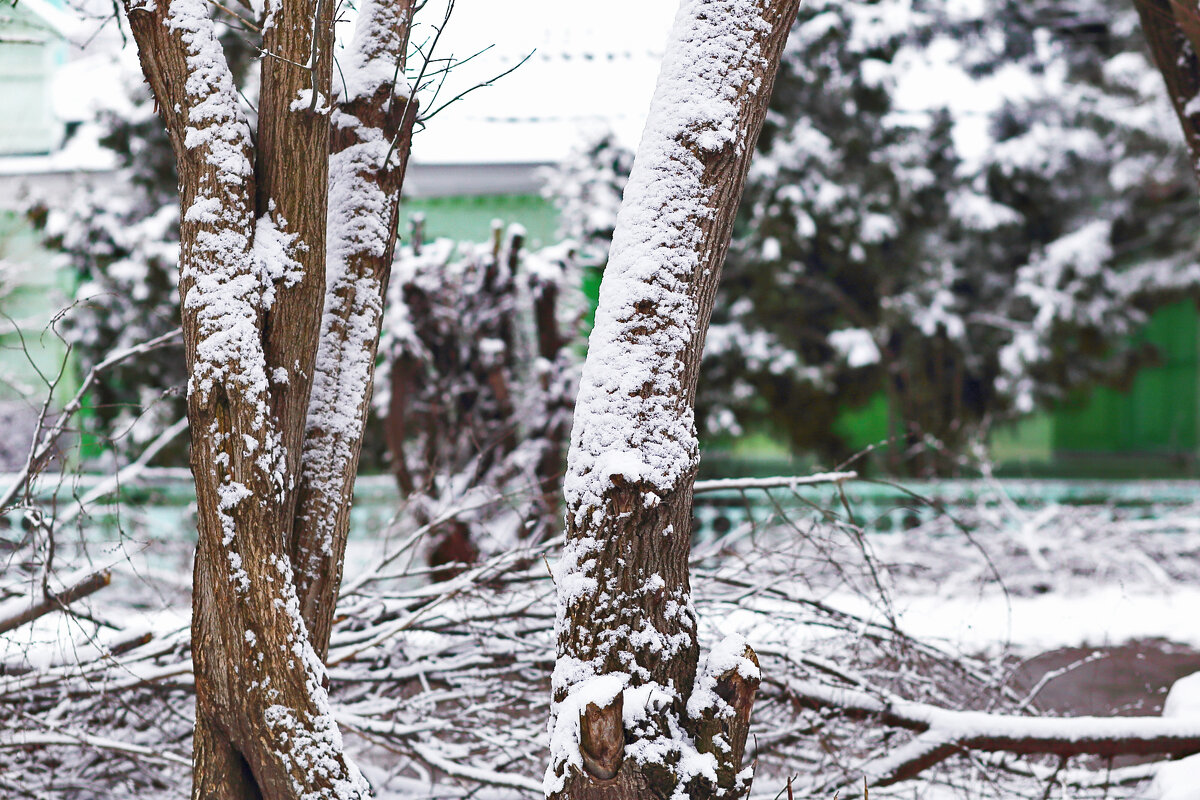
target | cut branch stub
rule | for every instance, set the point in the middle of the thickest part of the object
(738, 692)
(602, 738)
(724, 726)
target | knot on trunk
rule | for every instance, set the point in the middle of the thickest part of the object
(602, 738)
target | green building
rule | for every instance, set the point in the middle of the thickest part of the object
(32, 45)
(1150, 430)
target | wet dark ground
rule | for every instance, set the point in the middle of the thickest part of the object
(1128, 680)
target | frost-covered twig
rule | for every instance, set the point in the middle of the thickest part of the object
(46, 436)
(784, 482)
(125, 475)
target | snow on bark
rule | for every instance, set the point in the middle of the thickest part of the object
(307, 741)
(375, 57)
(369, 152)
(625, 615)
(263, 697)
(221, 273)
(359, 212)
(646, 319)
(222, 286)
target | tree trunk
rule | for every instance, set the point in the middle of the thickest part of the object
(372, 132)
(253, 284)
(1172, 30)
(633, 715)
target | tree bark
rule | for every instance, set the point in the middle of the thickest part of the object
(255, 243)
(1172, 30)
(626, 626)
(373, 126)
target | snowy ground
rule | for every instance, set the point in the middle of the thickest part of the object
(443, 689)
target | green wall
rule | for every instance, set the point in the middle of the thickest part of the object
(29, 50)
(469, 218)
(1150, 429)
(1158, 413)
(32, 292)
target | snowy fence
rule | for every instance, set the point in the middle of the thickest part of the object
(162, 502)
(883, 506)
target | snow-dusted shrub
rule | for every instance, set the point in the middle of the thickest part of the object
(481, 354)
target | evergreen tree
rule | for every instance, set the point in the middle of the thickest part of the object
(964, 211)
(967, 273)
(586, 188)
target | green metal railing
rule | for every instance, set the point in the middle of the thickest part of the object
(162, 506)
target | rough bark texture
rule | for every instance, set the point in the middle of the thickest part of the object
(370, 147)
(253, 286)
(1172, 30)
(626, 629)
(291, 172)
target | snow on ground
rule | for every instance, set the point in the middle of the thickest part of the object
(992, 622)
(1069, 576)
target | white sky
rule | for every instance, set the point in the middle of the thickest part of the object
(593, 65)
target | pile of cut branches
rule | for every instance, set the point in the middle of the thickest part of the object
(443, 688)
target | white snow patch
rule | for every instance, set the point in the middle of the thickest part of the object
(856, 345)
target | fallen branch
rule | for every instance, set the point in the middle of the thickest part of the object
(946, 732)
(454, 769)
(25, 740)
(20, 611)
(783, 482)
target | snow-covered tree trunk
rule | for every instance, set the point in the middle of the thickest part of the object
(1172, 30)
(280, 354)
(634, 714)
(371, 123)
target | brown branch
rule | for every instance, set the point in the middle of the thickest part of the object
(363, 214)
(53, 600)
(945, 732)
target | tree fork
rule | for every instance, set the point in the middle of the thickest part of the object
(253, 283)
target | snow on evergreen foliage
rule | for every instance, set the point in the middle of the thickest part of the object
(120, 239)
(586, 188)
(967, 208)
